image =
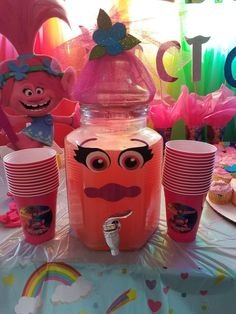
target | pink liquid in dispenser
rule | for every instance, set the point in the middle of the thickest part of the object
(96, 196)
(113, 161)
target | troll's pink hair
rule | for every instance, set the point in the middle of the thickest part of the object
(20, 20)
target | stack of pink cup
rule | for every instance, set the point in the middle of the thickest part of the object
(187, 175)
(33, 179)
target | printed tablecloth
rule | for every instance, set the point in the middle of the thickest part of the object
(165, 277)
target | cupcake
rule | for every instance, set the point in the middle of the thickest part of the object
(233, 186)
(230, 150)
(221, 174)
(228, 161)
(220, 192)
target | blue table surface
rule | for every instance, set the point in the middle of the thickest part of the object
(164, 277)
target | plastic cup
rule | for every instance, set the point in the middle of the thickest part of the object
(189, 161)
(186, 188)
(32, 190)
(28, 180)
(41, 183)
(187, 184)
(33, 194)
(191, 171)
(183, 214)
(188, 147)
(32, 169)
(187, 169)
(38, 216)
(185, 192)
(41, 176)
(187, 176)
(29, 156)
(32, 165)
(188, 156)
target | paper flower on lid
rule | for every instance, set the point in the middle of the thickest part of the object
(110, 39)
(113, 75)
(67, 52)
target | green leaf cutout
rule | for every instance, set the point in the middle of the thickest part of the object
(129, 42)
(103, 20)
(97, 52)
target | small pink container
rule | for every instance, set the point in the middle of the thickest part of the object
(183, 214)
(38, 216)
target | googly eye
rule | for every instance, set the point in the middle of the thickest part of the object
(39, 90)
(131, 160)
(97, 161)
(28, 92)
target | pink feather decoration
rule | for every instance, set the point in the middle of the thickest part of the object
(164, 113)
(194, 108)
(222, 104)
(221, 118)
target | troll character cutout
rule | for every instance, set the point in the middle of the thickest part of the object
(32, 85)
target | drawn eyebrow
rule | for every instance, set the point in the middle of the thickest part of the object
(85, 141)
(82, 152)
(145, 151)
(138, 140)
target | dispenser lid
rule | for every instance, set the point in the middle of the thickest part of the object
(113, 75)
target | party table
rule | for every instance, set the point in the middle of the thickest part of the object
(164, 277)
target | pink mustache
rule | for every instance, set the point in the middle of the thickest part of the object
(113, 192)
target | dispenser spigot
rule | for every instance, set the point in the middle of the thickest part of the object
(111, 228)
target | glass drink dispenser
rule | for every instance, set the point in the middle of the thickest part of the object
(113, 161)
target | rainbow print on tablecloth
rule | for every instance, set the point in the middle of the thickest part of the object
(71, 287)
(61, 272)
(124, 298)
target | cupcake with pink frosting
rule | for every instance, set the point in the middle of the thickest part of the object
(221, 174)
(220, 192)
(228, 160)
(233, 185)
(230, 150)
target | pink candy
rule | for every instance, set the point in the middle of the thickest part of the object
(11, 218)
